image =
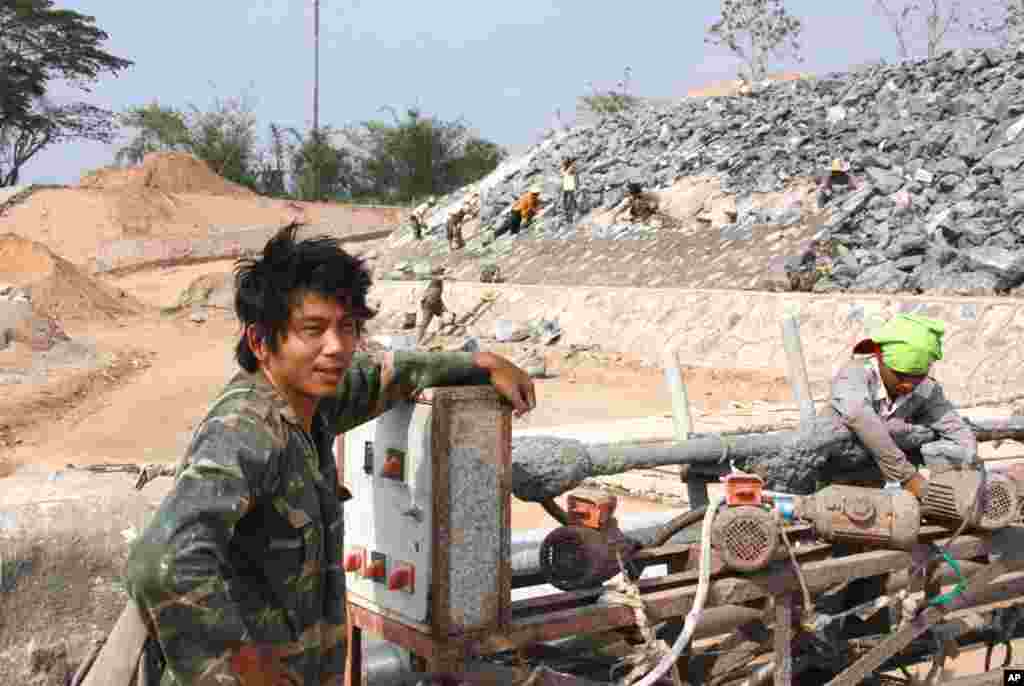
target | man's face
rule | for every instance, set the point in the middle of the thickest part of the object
(896, 383)
(315, 349)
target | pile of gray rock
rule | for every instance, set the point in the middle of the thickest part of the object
(936, 147)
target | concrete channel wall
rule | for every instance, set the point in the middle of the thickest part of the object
(984, 345)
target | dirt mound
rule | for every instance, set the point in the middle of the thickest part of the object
(170, 172)
(57, 288)
(733, 87)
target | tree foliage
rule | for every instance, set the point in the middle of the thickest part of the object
(912, 21)
(756, 31)
(1003, 20)
(158, 128)
(40, 44)
(321, 169)
(224, 136)
(610, 102)
(416, 155)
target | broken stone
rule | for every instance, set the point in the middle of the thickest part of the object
(508, 331)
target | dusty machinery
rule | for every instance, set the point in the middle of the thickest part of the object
(428, 546)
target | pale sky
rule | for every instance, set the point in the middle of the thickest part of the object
(502, 66)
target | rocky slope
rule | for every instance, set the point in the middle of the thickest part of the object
(936, 147)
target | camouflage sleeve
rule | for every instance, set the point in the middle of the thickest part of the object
(177, 569)
(375, 383)
(851, 400)
(940, 415)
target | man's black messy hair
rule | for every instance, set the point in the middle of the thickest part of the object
(266, 289)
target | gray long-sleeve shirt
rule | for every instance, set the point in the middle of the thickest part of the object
(860, 400)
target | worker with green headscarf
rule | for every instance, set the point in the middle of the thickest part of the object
(886, 386)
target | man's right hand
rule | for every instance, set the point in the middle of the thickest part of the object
(917, 485)
(261, 665)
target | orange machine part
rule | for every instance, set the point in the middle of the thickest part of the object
(592, 510)
(743, 489)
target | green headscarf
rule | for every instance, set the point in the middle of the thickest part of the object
(910, 343)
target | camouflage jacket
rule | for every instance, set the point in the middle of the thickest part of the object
(859, 399)
(247, 547)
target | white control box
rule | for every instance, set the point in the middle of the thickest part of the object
(427, 530)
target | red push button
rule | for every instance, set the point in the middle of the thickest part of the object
(354, 560)
(401, 579)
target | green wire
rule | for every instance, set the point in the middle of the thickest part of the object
(958, 589)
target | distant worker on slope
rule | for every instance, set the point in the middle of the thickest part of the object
(431, 305)
(570, 181)
(419, 217)
(521, 213)
(640, 204)
(838, 181)
(469, 207)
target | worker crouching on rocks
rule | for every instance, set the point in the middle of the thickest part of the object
(521, 213)
(239, 575)
(886, 387)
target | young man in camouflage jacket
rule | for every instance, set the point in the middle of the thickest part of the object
(887, 386)
(239, 575)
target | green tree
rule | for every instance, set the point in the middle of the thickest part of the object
(39, 44)
(224, 136)
(754, 31)
(320, 169)
(611, 102)
(158, 128)
(414, 155)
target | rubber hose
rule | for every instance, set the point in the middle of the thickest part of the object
(675, 525)
(693, 617)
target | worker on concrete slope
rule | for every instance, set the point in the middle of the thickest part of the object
(521, 213)
(431, 305)
(454, 224)
(837, 181)
(570, 181)
(886, 386)
(239, 574)
(639, 204)
(418, 217)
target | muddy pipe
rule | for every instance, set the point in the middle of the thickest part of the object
(545, 467)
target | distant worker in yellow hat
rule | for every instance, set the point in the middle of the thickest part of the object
(886, 387)
(838, 181)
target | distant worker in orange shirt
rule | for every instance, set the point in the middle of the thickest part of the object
(522, 212)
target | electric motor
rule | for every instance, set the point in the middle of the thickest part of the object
(746, 537)
(951, 494)
(1015, 472)
(851, 514)
(577, 557)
